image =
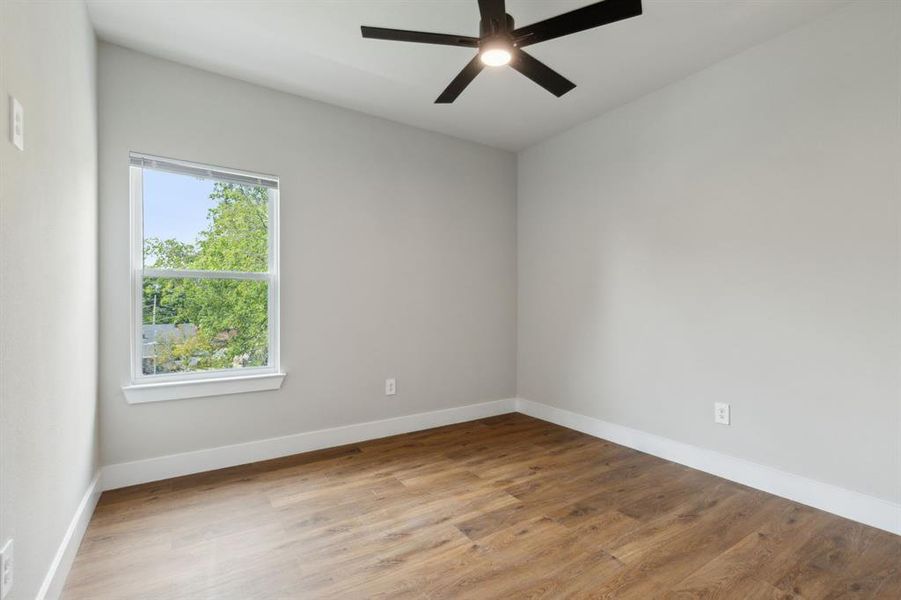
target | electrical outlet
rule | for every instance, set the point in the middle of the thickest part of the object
(6, 568)
(390, 387)
(721, 413)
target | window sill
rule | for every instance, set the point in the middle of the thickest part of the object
(180, 390)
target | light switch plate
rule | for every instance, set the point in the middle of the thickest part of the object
(16, 123)
(6, 568)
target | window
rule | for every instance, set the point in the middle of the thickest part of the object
(205, 279)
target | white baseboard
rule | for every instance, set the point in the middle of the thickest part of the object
(174, 465)
(830, 498)
(55, 578)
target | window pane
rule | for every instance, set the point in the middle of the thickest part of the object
(194, 325)
(193, 223)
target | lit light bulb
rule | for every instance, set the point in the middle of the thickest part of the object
(496, 57)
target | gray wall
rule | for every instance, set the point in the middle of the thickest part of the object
(48, 280)
(732, 237)
(398, 257)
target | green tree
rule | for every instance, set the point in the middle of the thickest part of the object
(222, 322)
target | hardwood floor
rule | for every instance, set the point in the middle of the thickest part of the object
(507, 507)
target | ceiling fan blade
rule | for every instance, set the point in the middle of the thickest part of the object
(422, 37)
(494, 11)
(540, 73)
(464, 78)
(588, 17)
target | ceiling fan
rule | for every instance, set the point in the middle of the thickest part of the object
(499, 43)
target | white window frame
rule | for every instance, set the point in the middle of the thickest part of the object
(170, 386)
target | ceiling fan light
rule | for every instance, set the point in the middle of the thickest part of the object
(496, 56)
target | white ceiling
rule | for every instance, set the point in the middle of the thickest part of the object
(313, 48)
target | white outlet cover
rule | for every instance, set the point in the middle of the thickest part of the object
(16, 123)
(6, 568)
(390, 387)
(721, 413)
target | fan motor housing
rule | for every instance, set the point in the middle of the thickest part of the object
(488, 29)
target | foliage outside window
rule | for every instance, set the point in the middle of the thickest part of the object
(206, 276)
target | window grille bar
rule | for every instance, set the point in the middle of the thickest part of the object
(192, 274)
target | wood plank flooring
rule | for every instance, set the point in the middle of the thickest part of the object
(506, 507)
